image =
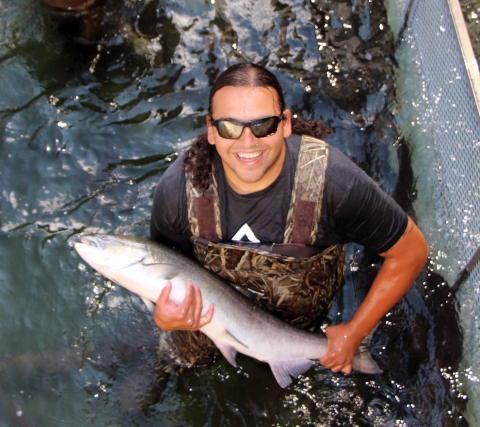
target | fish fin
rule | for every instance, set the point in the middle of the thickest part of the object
(161, 271)
(284, 371)
(150, 305)
(235, 339)
(363, 361)
(229, 353)
(224, 338)
(228, 349)
(366, 341)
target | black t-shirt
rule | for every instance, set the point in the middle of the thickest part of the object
(354, 208)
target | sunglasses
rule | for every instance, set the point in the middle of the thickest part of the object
(232, 129)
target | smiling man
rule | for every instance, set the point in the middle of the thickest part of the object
(261, 200)
(250, 163)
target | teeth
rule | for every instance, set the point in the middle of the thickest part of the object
(247, 156)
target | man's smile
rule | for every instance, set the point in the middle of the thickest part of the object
(249, 155)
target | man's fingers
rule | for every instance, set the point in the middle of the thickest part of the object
(165, 294)
(185, 307)
(208, 316)
(346, 369)
(328, 361)
(336, 365)
(198, 302)
(185, 316)
(201, 320)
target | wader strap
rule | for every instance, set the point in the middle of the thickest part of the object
(204, 210)
(307, 195)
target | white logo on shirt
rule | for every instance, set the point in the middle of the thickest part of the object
(245, 231)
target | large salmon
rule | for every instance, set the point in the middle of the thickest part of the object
(238, 324)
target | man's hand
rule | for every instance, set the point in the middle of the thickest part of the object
(343, 343)
(186, 316)
(402, 263)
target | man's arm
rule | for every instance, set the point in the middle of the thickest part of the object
(169, 220)
(401, 266)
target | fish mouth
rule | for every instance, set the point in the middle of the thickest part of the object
(114, 252)
(92, 240)
(87, 240)
(88, 246)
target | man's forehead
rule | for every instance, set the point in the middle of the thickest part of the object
(245, 100)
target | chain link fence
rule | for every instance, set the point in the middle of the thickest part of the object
(438, 115)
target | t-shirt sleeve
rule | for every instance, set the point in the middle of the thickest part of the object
(169, 220)
(358, 209)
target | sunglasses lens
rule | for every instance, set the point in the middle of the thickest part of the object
(229, 130)
(260, 128)
(264, 127)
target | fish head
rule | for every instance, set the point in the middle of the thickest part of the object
(128, 261)
(106, 252)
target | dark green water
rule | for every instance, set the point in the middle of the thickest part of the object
(90, 118)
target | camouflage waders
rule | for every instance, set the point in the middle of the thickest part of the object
(293, 280)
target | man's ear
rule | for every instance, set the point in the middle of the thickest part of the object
(287, 123)
(210, 130)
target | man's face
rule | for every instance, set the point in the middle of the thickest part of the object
(250, 163)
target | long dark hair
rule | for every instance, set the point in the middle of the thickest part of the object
(199, 158)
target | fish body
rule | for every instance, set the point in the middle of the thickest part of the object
(238, 324)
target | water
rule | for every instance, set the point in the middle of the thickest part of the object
(91, 116)
(440, 121)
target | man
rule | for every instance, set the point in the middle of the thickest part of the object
(246, 180)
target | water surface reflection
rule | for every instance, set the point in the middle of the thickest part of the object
(90, 121)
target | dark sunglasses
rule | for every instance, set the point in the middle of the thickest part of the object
(232, 129)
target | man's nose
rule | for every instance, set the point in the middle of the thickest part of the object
(247, 138)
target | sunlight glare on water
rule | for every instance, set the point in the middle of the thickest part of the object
(93, 109)
(439, 116)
